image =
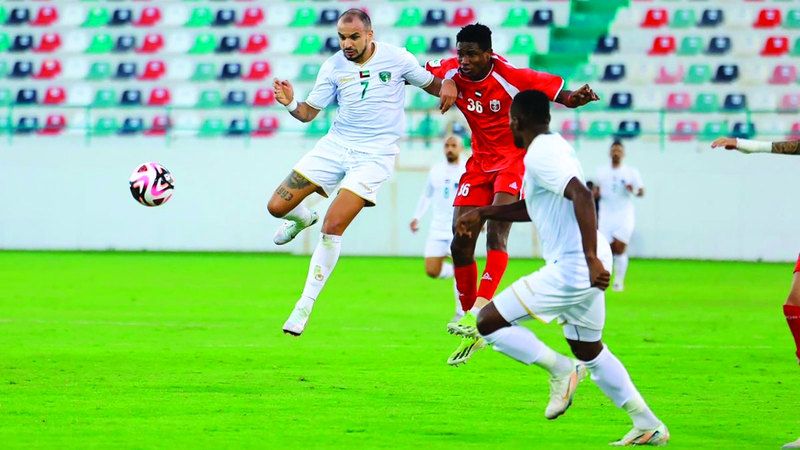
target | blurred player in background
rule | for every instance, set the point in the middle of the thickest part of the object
(791, 309)
(440, 191)
(569, 288)
(487, 83)
(616, 187)
(368, 79)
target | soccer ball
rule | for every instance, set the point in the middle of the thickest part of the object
(151, 184)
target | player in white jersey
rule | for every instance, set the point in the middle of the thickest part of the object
(616, 186)
(440, 192)
(367, 79)
(569, 288)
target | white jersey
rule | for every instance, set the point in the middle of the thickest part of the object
(615, 199)
(440, 193)
(371, 96)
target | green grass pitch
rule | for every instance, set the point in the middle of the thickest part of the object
(125, 350)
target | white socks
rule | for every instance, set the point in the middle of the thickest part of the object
(611, 377)
(322, 263)
(299, 214)
(521, 344)
(446, 272)
(620, 267)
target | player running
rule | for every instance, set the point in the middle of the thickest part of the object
(368, 79)
(791, 309)
(616, 187)
(569, 288)
(487, 83)
(440, 191)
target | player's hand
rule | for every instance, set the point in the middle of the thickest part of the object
(629, 188)
(728, 143)
(447, 95)
(468, 222)
(598, 274)
(414, 225)
(284, 92)
(582, 96)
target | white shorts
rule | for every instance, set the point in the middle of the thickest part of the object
(616, 226)
(330, 164)
(435, 247)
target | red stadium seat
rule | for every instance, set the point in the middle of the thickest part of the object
(256, 43)
(153, 70)
(46, 16)
(776, 46)
(679, 101)
(252, 17)
(150, 16)
(267, 126)
(571, 128)
(259, 70)
(789, 103)
(264, 97)
(768, 18)
(463, 16)
(49, 69)
(55, 124)
(48, 43)
(161, 124)
(655, 18)
(670, 74)
(784, 74)
(663, 45)
(685, 130)
(794, 134)
(54, 96)
(159, 97)
(152, 43)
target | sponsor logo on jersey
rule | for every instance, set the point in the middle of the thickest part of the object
(344, 80)
(385, 76)
(494, 105)
(363, 74)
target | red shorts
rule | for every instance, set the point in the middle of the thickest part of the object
(797, 266)
(477, 188)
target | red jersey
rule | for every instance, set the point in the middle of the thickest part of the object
(486, 104)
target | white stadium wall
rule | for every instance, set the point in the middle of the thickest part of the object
(69, 193)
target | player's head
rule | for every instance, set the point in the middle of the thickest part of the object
(617, 152)
(453, 146)
(355, 34)
(529, 116)
(474, 45)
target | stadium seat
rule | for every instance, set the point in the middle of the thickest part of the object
(203, 44)
(440, 44)
(570, 129)
(621, 100)
(228, 44)
(18, 16)
(54, 124)
(259, 70)
(683, 18)
(152, 43)
(131, 125)
(706, 102)
(776, 46)
(726, 73)
(670, 74)
(264, 97)
(662, 45)
(149, 16)
(410, 16)
(523, 44)
(3, 69)
(794, 132)
(224, 17)
(655, 18)
(256, 43)
(21, 43)
(331, 45)
(685, 130)
(211, 127)
(5, 97)
(308, 72)
(238, 127)
(742, 130)
(613, 73)
(27, 97)
(422, 101)
(434, 18)
(48, 43)
(607, 45)
(131, 97)
(160, 125)
(517, 17)
(542, 18)
(252, 16)
(100, 43)
(711, 18)
(796, 48)
(768, 18)
(792, 19)
(121, 17)
(600, 129)
(105, 126)
(463, 16)
(230, 71)
(159, 96)
(99, 70)
(204, 72)
(427, 128)
(27, 125)
(586, 73)
(125, 43)
(734, 102)
(304, 17)
(104, 98)
(267, 126)
(21, 69)
(679, 101)
(5, 41)
(690, 46)
(200, 17)
(789, 103)
(49, 69)
(784, 74)
(97, 17)
(236, 98)
(416, 44)
(54, 96)
(209, 99)
(126, 70)
(629, 129)
(46, 16)
(310, 44)
(718, 45)
(698, 74)
(328, 16)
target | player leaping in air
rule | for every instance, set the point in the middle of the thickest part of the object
(791, 309)
(368, 79)
(487, 83)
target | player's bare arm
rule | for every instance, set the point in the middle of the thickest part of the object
(284, 94)
(577, 98)
(512, 212)
(583, 202)
(750, 146)
(446, 90)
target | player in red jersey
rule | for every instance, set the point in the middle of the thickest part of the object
(487, 84)
(791, 309)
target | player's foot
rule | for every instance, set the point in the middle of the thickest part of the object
(658, 436)
(289, 229)
(296, 322)
(618, 287)
(790, 445)
(465, 350)
(465, 327)
(562, 389)
(456, 318)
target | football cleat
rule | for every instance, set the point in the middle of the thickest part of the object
(791, 445)
(465, 327)
(289, 229)
(657, 437)
(297, 320)
(562, 389)
(465, 350)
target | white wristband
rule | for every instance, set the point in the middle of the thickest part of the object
(292, 106)
(748, 146)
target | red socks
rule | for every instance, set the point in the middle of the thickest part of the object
(792, 314)
(496, 263)
(466, 284)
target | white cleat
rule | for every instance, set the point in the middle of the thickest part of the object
(657, 437)
(297, 320)
(790, 445)
(562, 390)
(618, 287)
(289, 229)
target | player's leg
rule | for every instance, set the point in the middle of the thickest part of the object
(437, 251)
(791, 445)
(286, 202)
(618, 249)
(496, 252)
(791, 310)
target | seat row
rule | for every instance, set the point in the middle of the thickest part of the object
(687, 18)
(158, 96)
(676, 73)
(683, 130)
(693, 46)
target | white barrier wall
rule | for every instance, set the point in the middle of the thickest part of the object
(67, 193)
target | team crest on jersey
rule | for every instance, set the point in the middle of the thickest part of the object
(385, 76)
(494, 105)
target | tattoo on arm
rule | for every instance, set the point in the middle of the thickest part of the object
(284, 194)
(786, 147)
(296, 181)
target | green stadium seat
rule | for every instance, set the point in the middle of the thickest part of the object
(416, 44)
(5, 97)
(3, 14)
(523, 45)
(204, 72)
(5, 42)
(517, 17)
(209, 99)
(714, 129)
(691, 46)
(586, 73)
(683, 18)
(410, 16)
(318, 126)
(99, 70)
(104, 98)
(304, 17)
(698, 74)
(428, 128)
(424, 101)
(200, 17)
(310, 44)
(3, 69)
(792, 19)
(212, 127)
(706, 102)
(101, 43)
(105, 126)
(97, 17)
(796, 48)
(600, 129)
(203, 44)
(308, 72)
